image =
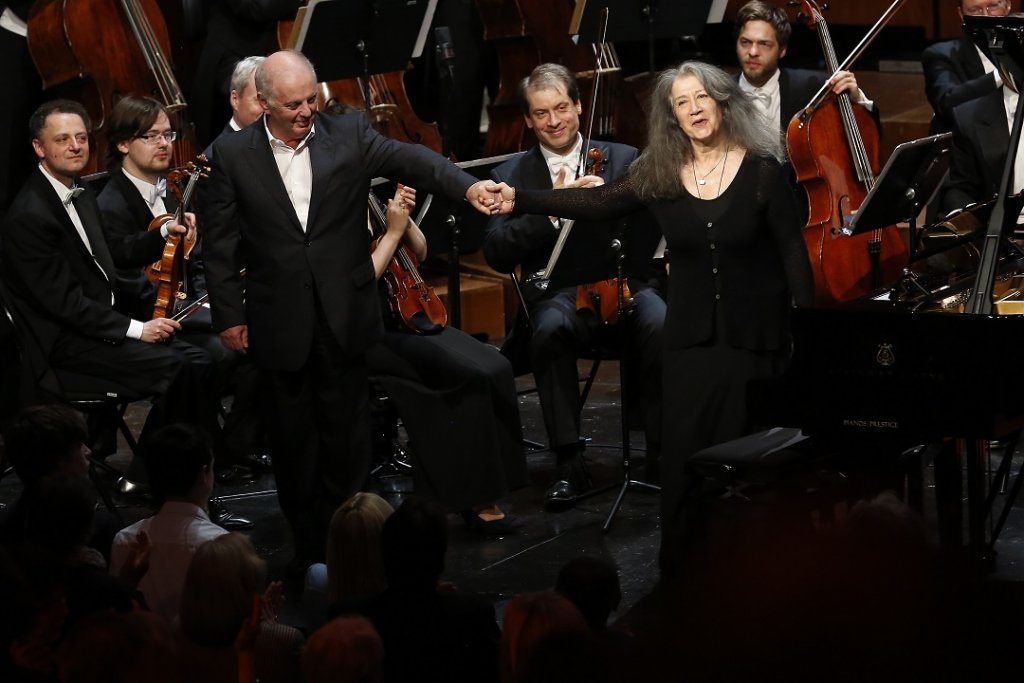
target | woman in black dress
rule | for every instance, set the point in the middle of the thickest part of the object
(713, 176)
(457, 399)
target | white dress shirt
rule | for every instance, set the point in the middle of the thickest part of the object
(175, 533)
(767, 98)
(296, 171)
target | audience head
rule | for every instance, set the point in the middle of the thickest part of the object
(179, 458)
(116, 647)
(139, 138)
(218, 596)
(762, 35)
(244, 102)
(413, 544)
(287, 87)
(592, 585)
(60, 138)
(345, 650)
(550, 100)
(355, 567)
(59, 518)
(47, 439)
(530, 619)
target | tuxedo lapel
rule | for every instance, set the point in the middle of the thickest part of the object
(534, 170)
(320, 150)
(89, 212)
(993, 131)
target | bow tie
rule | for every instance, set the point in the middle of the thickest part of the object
(73, 194)
(159, 190)
(761, 98)
(569, 162)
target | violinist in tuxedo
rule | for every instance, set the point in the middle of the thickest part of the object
(550, 102)
(287, 201)
(58, 274)
(956, 71)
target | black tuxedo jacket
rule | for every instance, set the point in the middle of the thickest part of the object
(290, 271)
(953, 74)
(796, 88)
(125, 215)
(981, 136)
(53, 284)
(527, 240)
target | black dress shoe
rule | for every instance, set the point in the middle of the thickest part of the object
(560, 496)
(494, 527)
(225, 519)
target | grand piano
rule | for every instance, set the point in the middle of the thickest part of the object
(932, 358)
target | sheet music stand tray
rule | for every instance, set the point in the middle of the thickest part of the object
(353, 38)
(909, 180)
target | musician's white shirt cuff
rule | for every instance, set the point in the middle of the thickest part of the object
(11, 22)
(134, 330)
(865, 102)
(165, 229)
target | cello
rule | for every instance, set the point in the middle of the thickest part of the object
(833, 147)
(111, 48)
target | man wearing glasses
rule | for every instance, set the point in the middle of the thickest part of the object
(955, 71)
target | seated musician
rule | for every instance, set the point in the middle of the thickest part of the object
(550, 102)
(956, 71)
(456, 395)
(58, 275)
(140, 147)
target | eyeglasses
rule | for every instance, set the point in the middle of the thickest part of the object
(992, 9)
(152, 138)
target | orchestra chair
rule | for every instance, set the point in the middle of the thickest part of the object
(390, 459)
(102, 402)
(608, 344)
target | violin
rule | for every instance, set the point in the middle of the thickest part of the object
(834, 150)
(169, 274)
(604, 298)
(410, 299)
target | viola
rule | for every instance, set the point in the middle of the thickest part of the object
(169, 274)
(410, 299)
(834, 150)
(109, 48)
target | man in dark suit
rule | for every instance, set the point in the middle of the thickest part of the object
(955, 71)
(560, 334)
(762, 36)
(287, 201)
(58, 273)
(981, 137)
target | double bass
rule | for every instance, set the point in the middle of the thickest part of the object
(108, 49)
(833, 147)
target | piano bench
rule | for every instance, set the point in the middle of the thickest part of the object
(758, 458)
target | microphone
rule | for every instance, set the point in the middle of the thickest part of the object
(445, 51)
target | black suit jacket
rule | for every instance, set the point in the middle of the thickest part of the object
(53, 284)
(953, 74)
(125, 216)
(527, 240)
(796, 88)
(981, 136)
(289, 270)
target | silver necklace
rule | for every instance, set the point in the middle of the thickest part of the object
(704, 179)
(721, 177)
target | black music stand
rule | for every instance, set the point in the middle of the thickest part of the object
(453, 227)
(640, 20)
(353, 38)
(908, 182)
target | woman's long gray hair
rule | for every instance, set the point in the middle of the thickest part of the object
(656, 172)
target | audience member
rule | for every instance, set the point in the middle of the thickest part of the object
(346, 650)
(453, 637)
(354, 570)
(120, 647)
(530, 618)
(221, 609)
(180, 462)
(592, 585)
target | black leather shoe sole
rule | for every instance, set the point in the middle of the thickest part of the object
(560, 496)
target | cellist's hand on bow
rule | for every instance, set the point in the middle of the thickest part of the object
(236, 338)
(159, 330)
(845, 81)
